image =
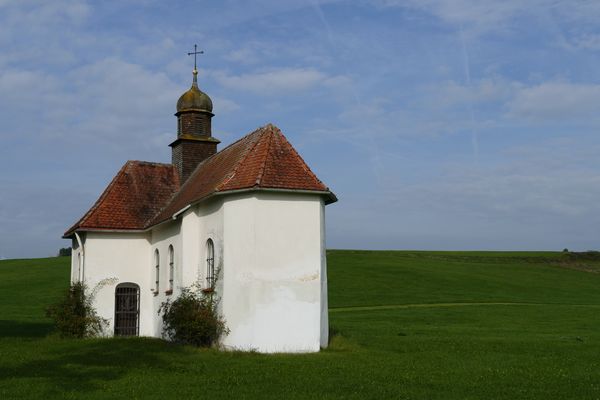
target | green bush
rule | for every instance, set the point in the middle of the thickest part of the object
(193, 319)
(74, 316)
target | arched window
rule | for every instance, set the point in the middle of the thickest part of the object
(171, 268)
(210, 264)
(156, 270)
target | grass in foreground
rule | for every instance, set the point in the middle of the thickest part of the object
(418, 325)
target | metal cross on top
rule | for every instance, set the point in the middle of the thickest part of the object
(195, 52)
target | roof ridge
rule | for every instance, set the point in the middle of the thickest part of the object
(243, 158)
(239, 140)
(149, 162)
(261, 172)
(98, 202)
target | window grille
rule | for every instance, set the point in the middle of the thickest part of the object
(210, 264)
(127, 310)
(157, 270)
(171, 267)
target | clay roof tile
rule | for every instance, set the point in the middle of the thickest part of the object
(135, 195)
(145, 194)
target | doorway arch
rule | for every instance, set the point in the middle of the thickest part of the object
(127, 309)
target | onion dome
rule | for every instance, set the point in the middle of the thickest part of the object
(194, 98)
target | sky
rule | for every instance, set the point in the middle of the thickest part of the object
(439, 124)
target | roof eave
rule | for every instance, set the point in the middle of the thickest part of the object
(71, 232)
(329, 196)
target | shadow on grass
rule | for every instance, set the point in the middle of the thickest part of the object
(85, 366)
(24, 329)
(340, 343)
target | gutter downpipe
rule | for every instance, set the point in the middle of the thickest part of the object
(82, 257)
(178, 213)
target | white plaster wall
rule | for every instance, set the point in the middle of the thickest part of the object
(121, 257)
(198, 224)
(163, 236)
(210, 226)
(273, 272)
(273, 282)
(324, 291)
(129, 257)
(188, 235)
(76, 255)
(189, 247)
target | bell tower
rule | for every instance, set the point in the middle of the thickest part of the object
(194, 141)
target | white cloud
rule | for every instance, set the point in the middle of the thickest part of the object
(534, 196)
(244, 55)
(451, 94)
(42, 16)
(579, 10)
(556, 101)
(24, 91)
(277, 81)
(154, 51)
(498, 100)
(586, 41)
(482, 16)
(252, 52)
(33, 215)
(41, 33)
(224, 106)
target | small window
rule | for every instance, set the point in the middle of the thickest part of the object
(171, 268)
(79, 267)
(210, 264)
(157, 270)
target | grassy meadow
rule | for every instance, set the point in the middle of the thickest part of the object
(407, 325)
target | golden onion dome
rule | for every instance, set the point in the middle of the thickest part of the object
(194, 98)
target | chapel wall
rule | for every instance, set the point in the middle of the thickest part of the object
(324, 329)
(198, 224)
(210, 226)
(112, 258)
(273, 271)
(163, 236)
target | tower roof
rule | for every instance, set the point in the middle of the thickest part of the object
(194, 99)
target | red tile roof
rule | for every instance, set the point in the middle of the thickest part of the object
(264, 159)
(138, 191)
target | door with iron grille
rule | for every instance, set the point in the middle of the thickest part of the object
(127, 309)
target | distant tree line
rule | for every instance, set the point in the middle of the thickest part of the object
(65, 251)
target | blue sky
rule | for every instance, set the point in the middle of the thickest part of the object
(440, 124)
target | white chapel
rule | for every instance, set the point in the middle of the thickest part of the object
(247, 221)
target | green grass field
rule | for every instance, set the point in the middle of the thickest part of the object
(408, 325)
